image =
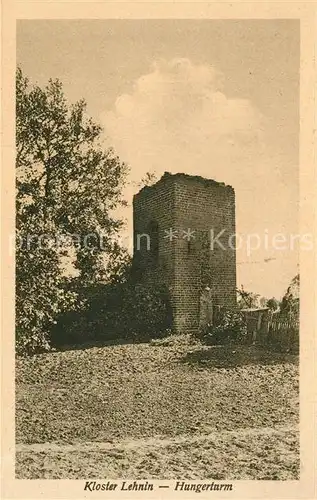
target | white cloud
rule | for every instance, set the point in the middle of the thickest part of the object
(178, 119)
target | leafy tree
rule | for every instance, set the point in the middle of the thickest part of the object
(290, 301)
(67, 188)
(247, 299)
(272, 304)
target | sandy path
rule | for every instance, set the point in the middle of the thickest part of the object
(156, 442)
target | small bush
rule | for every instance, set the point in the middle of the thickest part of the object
(231, 328)
(121, 311)
(137, 311)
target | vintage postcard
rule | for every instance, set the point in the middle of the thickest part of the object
(159, 276)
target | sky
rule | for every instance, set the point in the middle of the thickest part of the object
(217, 98)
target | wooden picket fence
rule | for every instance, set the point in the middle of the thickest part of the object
(278, 329)
(283, 330)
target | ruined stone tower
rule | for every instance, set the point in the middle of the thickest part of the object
(176, 223)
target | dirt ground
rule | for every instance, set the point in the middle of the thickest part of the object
(158, 411)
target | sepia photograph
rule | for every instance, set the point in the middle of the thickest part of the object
(157, 244)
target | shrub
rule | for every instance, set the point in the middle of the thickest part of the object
(231, 328)
(116, 311)
(147, 311)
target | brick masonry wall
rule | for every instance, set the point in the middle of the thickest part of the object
(183, 202)
(154, 205)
